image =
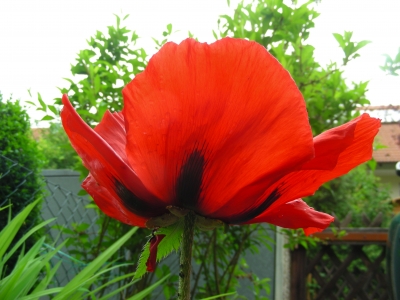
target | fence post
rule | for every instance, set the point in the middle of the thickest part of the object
(393, 258)
(298, 261)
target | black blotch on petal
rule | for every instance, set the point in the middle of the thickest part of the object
(133, 203)
(251, 214)
(189, 181)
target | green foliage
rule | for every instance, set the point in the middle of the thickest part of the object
(349, 48)
(296, 238)
(171, 241)
(219, 255)
(259, 286)
(99, 74)
(166, 34)
(86, 247)
(33, 272)
(58, 152)
(23, 278)
(392, 65)
(20, 163)
(220, 296)
(358, 192)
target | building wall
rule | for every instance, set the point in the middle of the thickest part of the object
(387, 173)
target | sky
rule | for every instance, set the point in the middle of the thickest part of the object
(40, 39)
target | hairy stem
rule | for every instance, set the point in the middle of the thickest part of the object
(186, 257)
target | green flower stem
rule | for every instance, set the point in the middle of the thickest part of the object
(186, 256)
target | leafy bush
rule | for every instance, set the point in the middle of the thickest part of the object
(20, 163)
(58, 152)
(358, 192)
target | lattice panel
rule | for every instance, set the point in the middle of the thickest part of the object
(347, 272)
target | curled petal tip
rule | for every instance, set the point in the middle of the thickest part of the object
(151, 261)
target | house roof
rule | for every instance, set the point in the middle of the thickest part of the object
(388, 136)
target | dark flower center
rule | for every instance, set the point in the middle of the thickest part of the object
(188, 183)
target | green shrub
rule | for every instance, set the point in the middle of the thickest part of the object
(358, 192)
(20, 162)
(55, 146)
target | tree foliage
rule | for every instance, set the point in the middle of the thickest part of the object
(392, 64)
(58, 152)
(358, 192)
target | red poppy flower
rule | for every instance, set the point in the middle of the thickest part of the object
(219, 129)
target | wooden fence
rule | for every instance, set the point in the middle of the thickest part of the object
(351, 266)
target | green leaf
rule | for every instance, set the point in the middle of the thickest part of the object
(171, 241)
(219, 296)
(5, 207)
(112, 281)
(37, 295)
(77, 282)
(42, 102)
(24, 238)
(361, 45)
(215, 35)
(148, 290)
(53, 109)
(47, 118)
(340, 40)
(8, 233)
(397, 58)
(169, 28)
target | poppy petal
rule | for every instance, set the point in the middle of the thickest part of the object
(311, 230)
(228, 111)
(110, 204)
(357, 134)
(296, 214)
(154, 242)
(112, 130)
(106, 166)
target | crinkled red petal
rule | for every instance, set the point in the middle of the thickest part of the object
(112, 130)
(357, 135)
(151, 261)
(106, 164)
(110, 204)
(296, 214)
(232, 105)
